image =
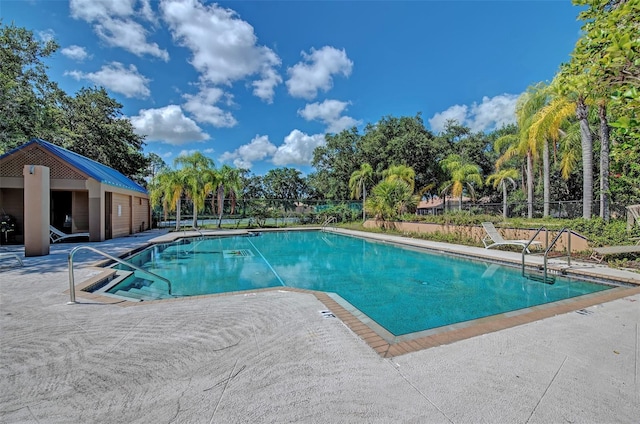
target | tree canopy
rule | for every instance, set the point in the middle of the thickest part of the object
(90, 123)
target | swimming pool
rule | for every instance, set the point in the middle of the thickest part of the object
(402, 289)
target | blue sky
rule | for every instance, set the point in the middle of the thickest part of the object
(257, 84)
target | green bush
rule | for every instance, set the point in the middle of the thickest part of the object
(453, 218)
(601, 233)
(596, 230)
(341, 212)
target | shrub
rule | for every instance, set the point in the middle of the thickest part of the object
(341, 212)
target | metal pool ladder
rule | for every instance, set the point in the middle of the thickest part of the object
(72, 286)
(325, 224)
(545, 278)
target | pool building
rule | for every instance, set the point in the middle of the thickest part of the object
(42, 185)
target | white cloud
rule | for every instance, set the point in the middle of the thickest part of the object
(168, 125)
(258, 149)
(90, 10)
(116, 77)
(265, 88)
(186, 152)
(316, 71)
(114, 22)
(75, 52)
(342, 123)
(329, 112)
(202, 107)
(492, 113)
(47, 35)
(129, 35)
(297, 149)
(454, 113)
(224, 47)
(147, 12)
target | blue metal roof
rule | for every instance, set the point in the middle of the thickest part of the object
(91, 168)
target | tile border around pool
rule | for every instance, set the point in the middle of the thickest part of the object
(415, 341)
(457, 332)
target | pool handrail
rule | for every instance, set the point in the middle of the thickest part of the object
(549, 247)
(328, 221)
(72, 286)
(531, 240)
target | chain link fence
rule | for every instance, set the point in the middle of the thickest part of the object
(560, 209)
(282, 212)
(263, 213)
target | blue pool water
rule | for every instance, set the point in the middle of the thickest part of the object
(401, 289)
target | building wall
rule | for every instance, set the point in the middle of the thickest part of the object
(120, 215)
(80, 211)
(140, 214)
(12, 203)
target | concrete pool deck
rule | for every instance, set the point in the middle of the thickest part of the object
(273, 356)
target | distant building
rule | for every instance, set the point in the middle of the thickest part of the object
(436, 205)
(84, 195)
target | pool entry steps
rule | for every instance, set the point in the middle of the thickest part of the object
(72, 289)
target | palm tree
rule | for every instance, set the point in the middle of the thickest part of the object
(582, 113)
(401, 172)
(529, 104)
(463, 174)
(500, 180)
(195, 167)
(167, 190)
(389, 199)
(358, 184)
(570, 154)
(605, 212)
(576, 89)
(546, 125)
(228, 182)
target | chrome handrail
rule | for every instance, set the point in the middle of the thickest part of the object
(525, 249)
(548, 248)
(328, 221)
(72, 287)
(555, 240)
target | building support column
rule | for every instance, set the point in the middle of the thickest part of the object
(37, 205)
(96, 211)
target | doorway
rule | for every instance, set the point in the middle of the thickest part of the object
(61, 210)
(108, 204)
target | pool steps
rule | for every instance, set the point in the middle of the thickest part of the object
(146, 292)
